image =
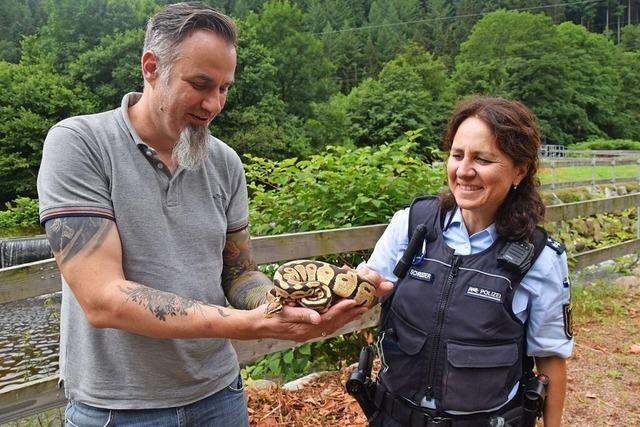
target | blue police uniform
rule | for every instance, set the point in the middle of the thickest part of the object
(540, 300)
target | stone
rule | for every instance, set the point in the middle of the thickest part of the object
(610, 192)
(628, 282)
(594, 190)
(300, 382)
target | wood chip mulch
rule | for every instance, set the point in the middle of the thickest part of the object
(322, 402)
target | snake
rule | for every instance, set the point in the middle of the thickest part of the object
(317, 285)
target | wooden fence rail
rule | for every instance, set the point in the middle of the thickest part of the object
(42, 277)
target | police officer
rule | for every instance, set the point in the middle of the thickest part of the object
(485, 291)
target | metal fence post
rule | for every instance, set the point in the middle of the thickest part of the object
(613, 171)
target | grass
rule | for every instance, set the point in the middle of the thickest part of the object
(600, 300)
(51, 418)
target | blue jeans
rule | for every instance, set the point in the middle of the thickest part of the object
(226, 408)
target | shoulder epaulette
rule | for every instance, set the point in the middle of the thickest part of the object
(557, 246)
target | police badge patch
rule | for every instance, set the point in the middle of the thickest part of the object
(485, 294)
(568, 320)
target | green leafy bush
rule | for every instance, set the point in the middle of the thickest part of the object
(606, 144)
(340, 187)
(20, 217)
(330, 354)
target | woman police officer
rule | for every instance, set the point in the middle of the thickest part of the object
(486, 290)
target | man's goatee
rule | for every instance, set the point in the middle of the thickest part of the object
(192, 147)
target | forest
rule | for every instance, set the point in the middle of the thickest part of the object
(342, 73)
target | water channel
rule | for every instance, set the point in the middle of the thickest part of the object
(29, 336)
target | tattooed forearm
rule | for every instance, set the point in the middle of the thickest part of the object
(244, 286)
(162, 304)
(71, 235)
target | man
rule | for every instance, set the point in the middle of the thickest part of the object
(147, 216)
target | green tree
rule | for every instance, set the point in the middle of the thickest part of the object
(439, 35)
(112, 68)
(336, 25)
(629, 96)
(255, 119)
(385, 35)
(304, 73)
(16, 20)
(407, 95)
(330, 124)
(595, 80)
(520, 56)
(25, 119)
(75, 26)
(630, 38)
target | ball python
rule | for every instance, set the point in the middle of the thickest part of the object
(317, 285)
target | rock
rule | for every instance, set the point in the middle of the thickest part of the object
(300, 382)
(594, 190)
(622, 190)
(628, 282)
(610, 192)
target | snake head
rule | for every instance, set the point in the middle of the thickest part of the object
(275, 303)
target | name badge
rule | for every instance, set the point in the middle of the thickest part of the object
(485, 294)
(420, 275)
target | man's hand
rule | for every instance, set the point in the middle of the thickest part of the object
(383, 286)
(302, 324)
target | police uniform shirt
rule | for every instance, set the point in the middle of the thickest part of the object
(541, 297)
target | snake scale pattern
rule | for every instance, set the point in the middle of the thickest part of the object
(317, 285)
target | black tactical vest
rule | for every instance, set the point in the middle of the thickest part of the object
(448, 331)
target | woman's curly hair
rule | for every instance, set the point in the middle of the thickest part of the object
(515, 130)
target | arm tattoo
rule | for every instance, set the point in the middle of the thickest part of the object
(68, 236)
(244, 286)
(162, 304)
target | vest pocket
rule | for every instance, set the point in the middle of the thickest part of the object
(477, 377)
(399, 346)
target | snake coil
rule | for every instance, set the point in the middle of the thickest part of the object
(317, 285)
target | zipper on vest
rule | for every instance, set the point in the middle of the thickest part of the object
(442, 310)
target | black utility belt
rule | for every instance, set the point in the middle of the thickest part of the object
(410, 415)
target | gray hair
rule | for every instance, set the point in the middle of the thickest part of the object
(169, 27)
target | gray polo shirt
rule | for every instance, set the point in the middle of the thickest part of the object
(173, 231)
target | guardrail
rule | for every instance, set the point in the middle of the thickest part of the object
(42, 277)
(576, 161)
(590, 183)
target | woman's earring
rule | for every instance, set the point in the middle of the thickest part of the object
(515, 186)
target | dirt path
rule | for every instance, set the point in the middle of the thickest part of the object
(603, 380)
(604, 373)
